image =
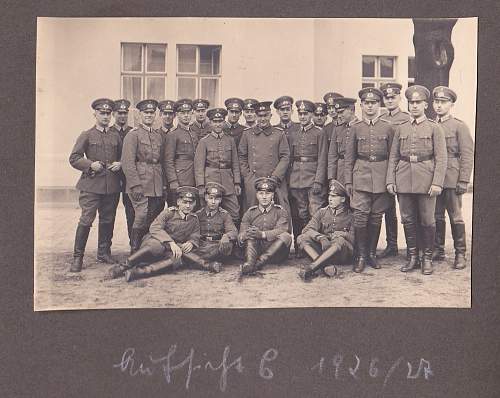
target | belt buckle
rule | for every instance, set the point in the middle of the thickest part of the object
(209, 238)
(372, 158)
(413, 158)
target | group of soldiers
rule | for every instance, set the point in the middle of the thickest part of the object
(253, 190)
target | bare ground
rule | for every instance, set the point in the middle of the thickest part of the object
(279, 286)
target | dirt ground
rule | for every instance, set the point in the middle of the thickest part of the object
(279, 286)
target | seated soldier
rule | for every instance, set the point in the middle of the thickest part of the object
(264, 229)
(330, 232)
(171, 241)
(218, 232)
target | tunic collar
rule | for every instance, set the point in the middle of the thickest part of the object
(167, 129)
(102, 129)
(218, 136)
(286, 126)
(211, 213)
(443, 119)
(418, 120)
(307, 127)
(147, 128)
(265, 209)
(267, 130)
(372, 121)
(184, 127)
(201, 125)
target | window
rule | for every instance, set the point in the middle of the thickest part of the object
(198, 72)
(143, 71)
(412, 71)
(378, 70)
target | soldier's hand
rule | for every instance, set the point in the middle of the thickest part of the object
(391, 188)
(225, 243)
(254, 233)
(461, 188)
(96, 166)
(316, 188)
(115, 166)
(434, 190)
(201, 191)
(348, 188)
(237, 189)
(325, 243)
(176, 250)
(136, 193)
(186, 247)
(174, 185)
(225, 239)
(242, 237)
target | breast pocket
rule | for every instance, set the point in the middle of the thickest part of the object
(311, 148)
(381, 145)
(451, 142)
(425, 145)
(404, 146)
(363, 144)
(184, 147)
(93, 150)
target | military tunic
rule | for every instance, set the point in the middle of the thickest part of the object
(202, 129)
(336, 151)
(288, 128)
(213, 226)
(396, 116)
(178, 162)
(235, 131)
(273, 220)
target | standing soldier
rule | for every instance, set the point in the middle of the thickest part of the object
(366, 156)
(263, 229)
(396, 116)
(460, 149)
(167, 114)
(283, 105)
(216, 160)
(201, 124)
(120, 113)
(345, 108)
(249, 112)
(180, 147)
(330, 99)
(232, 128)
(307, 176)
(264, 152)
(97, 155)
(141, 159)
(417, 167)
(320, 114)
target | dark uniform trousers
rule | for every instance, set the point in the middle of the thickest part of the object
(91, 203)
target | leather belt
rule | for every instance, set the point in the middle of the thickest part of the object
(416, 159)
(211, 238)
(305, 159)
(341, 156)
(153, 161)
(453, 154)
(373, 158)
(218, 165)
(183, 156)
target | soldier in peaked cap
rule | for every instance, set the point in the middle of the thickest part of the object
(216, 160)
(330, 99)
(328, 237)
(283, 106)
(167, 114)
(307, 174)
(232, 127)
(320, 114)
(460, 150)
(249, 112)
(263, 231)
(366, 156)
(416, 173)
(200, 124)
(345, 108)
(96, 154)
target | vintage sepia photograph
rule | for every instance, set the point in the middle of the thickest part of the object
(254, 162)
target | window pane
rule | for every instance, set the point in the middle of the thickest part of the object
(363, 85)
(132, 57)
(386, 66)
(216, 60)
(187, 59)
(410, 83)
(186, 87)
(210, 91)
(155, 88)
(155, 54)
(368, 66)
(206, 67)
(132, 89)
(412, 71)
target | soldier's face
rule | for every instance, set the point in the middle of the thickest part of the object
(442, 106)
(285, 113)
(345, 115)
(186, 205)
(319, 120)
(335, 200)
(417, 108)
(332, 111)
(103, 118)
(200, 115)
(392, 102)
(184, 117)
(121, 117)
(217, 125)
(167, 118)
(233, 116)
(148, 117)
(305, 118)
(249, 115)
(213, 201)
(264, 119)
(370, 108)
(265, 198)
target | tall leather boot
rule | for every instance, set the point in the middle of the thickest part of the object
(299, 253)
(214, 267)
(439, 254)
(274, 249)
(251, 254)
(149, 270)
(373, 235)
(141, 255)
(311, 252)
(460, 243)
(391, 232)
(412, 261)
(81, 237)
(428, 237)
(308, 271)
(136, 239)
(361, 243)
(104, 237)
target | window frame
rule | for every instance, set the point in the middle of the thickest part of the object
(377, 80)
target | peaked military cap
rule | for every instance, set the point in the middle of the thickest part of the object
(217, 114)
(200, 103)
(370, 94)
(344, 102)
(187, 193)
(320, 109)
(265, 184)
(417, 93)
(184, 104)
(263, 106)
(103, 104)
(250, 103)
(167, 106)
(442, 92)
(121, 105)
(147, 105)
(336, 188)
(234, 104)
(391, 89)
(305, 106)
(285, 100)
(214, 188)
(329, 98)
